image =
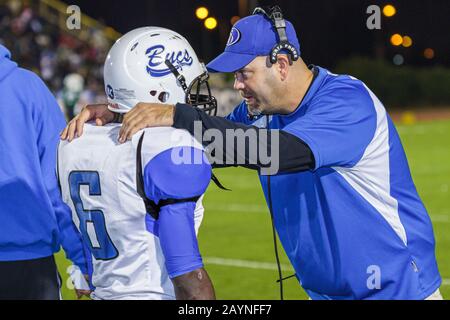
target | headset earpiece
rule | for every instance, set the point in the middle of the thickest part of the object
(276, 17)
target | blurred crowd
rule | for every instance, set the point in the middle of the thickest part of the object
(72, 69)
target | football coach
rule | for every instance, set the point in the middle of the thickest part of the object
(33, 219)
(343, 200)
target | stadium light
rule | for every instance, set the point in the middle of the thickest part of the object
(396, 40)
(210, 23)
(428, 53)
(389, 10)
(201, 13)
(407, 41)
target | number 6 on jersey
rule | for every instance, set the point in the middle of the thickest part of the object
(92, 222)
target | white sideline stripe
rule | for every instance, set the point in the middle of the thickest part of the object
(262, 265)
(245, 264)
(244, 208)
(440, 218)
(254, 208)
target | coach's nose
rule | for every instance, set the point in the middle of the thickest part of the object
(238, 83)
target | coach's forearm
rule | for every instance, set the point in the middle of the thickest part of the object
(292, 153)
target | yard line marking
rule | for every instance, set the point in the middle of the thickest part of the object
(254, 208)
(236, 207)
(262, 265)
(245, 264)
(440, 218)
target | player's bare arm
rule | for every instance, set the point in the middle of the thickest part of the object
(83, 292)
(194, 285)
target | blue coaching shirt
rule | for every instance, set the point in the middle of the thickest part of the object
(354, 227)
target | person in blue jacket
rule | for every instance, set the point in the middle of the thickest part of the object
(34, 221)
(338, 185)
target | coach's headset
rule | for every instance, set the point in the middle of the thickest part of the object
(275, 15)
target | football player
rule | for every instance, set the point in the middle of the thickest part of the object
(138, 205)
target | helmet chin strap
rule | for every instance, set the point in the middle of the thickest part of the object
(180, 78)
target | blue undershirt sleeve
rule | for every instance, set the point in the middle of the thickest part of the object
(178, 173)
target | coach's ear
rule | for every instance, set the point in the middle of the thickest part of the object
(282, 66)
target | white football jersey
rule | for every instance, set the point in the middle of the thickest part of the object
(98, 182)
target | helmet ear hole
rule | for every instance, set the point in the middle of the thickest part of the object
(153, 93)
(163, 96)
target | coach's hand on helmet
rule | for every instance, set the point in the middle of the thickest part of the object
(145, 115)
(97, 112)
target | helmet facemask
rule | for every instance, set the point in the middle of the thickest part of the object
(202, 98)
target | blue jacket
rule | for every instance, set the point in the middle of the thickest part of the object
(354, 227)
(33, 219)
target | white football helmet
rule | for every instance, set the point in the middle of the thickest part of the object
(154, 64)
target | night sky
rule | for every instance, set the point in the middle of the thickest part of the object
(329, 31)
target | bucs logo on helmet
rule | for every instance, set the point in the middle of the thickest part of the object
(157, 58)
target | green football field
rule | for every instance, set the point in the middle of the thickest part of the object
(236, 235)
